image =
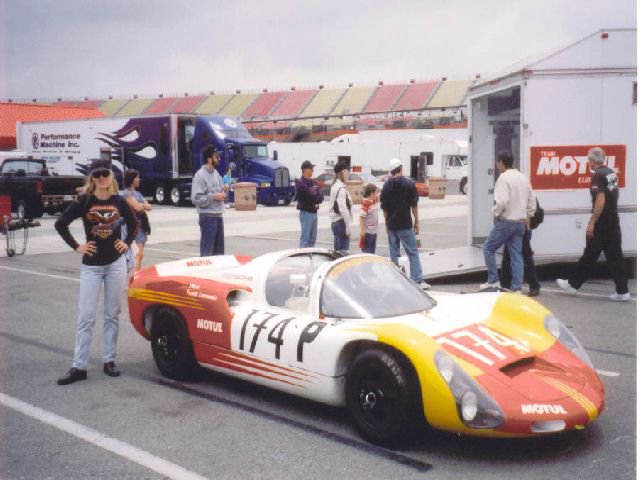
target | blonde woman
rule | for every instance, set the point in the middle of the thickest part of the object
(103, 212)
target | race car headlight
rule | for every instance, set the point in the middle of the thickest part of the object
(556, 328)
(475, 406)
(265, 185)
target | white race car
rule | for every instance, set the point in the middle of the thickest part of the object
(354, 331)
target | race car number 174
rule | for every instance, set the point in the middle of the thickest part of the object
(275, 325)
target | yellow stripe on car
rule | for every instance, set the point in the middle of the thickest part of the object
(166, 298)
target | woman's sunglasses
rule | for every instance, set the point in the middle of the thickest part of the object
(101, 172)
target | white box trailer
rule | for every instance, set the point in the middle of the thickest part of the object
(548, 113)
(424, 153)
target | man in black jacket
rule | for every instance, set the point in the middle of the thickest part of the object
(309, 200)
(603, 231)
(399, 201)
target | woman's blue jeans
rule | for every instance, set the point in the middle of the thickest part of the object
(92, 278)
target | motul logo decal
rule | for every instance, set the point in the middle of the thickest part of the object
(567, 167)
(540, 408)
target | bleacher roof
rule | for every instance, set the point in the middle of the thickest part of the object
(10, 113)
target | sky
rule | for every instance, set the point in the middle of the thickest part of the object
(95, 48)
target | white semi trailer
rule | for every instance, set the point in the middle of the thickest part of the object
(549, 112)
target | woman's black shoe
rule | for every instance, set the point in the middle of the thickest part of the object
(72, 376)
(110, 369)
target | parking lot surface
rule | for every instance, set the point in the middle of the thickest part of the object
(142, 425)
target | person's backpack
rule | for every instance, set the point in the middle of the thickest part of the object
(538, 216)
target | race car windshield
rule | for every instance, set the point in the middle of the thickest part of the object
(370, 287)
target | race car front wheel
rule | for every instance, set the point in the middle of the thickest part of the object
(172, 350)
(383, 397)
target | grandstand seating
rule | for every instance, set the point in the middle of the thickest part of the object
(293, 103)
(238, 104)
(187, 104)
(384, 98)
(354, 100)
(450, 94)
(213, 104)
(111, 107)
(416, 95)
(323, 103)
(312, 111)
(134, 107)
(263, 105)
(160, 105)
(90, 103)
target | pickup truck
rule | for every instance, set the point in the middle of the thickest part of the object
(33, 189)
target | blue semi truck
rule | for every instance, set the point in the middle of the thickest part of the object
(165, 149)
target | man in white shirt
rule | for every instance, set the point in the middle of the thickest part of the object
(514, 205)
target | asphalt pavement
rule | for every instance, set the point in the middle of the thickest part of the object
(142, 425)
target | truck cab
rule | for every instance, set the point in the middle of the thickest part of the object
(246, 157)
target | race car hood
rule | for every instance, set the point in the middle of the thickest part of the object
(501, 341)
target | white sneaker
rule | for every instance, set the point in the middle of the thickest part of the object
(620, 297)
(424, 285)
(484, 286)
(516, 292)
(566, 286)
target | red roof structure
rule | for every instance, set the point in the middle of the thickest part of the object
(10, 113)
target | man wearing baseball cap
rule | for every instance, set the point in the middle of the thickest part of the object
(309, 200)
(399, 201)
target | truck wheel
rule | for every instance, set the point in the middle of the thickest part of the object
(160, 194)
(175, 197)
(382, 396)
(464, 187)
(170, 345)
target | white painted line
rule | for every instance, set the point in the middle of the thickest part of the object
(134, 454)
(605, 373)
(59, 277)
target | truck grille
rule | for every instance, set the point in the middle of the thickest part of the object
(281, 177)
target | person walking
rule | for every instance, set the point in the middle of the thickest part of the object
(399, 201)
(369, 219)
(340, 208)
(530, 273)
(208, 195)
(103, 212)
(309, 201)
(603, 231)
(514, 204)
(140, 207)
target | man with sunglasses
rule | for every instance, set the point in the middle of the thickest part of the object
(208, 195)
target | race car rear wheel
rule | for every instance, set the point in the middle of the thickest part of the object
(383, 397)
(170, 345)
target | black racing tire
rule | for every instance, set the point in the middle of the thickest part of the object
(383, 397)
(170, 345)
